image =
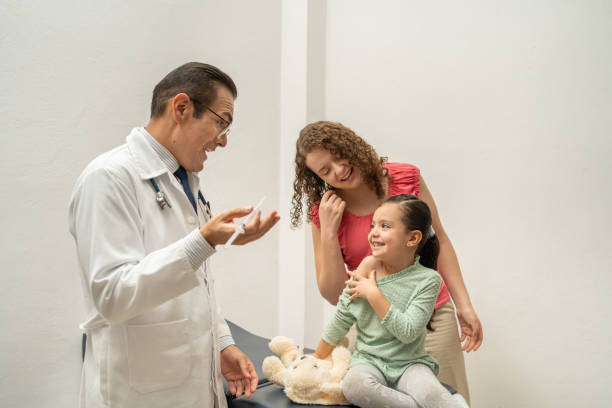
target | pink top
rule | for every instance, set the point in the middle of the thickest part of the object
(353, 230)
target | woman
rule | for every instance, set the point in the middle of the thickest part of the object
(344, 180)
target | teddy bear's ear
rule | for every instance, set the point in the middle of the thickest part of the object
(274, 370)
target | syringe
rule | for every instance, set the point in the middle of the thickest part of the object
(240, 227)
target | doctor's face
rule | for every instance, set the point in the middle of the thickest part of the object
(200, 136)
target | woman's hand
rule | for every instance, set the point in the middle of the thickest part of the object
(362, 286)
(331, 209)
(366, 287)
(471, 329)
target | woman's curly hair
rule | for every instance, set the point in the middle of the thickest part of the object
(342, 143)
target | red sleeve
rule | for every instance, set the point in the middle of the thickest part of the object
(405, 179)
(314, 215)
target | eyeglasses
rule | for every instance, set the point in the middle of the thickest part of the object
(224, 125)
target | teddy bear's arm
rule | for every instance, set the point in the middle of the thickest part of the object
(281, 345)
(274, 370)
(341, 359)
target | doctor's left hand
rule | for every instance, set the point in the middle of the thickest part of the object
(238, 371)
(219, 228)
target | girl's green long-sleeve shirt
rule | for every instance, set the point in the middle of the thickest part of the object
(397, 341)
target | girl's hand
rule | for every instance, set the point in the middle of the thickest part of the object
(331, 209)
(471, 329)
(362, 286)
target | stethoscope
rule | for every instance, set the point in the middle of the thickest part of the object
(163, 202)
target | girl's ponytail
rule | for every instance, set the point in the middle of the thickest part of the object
(429, 252)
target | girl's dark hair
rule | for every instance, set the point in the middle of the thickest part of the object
(416, 216)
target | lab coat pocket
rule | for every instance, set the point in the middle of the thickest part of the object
(159, 355)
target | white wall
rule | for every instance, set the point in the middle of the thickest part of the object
(506, 108)
(75, 78)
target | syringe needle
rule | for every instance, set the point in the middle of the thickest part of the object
(239, 228)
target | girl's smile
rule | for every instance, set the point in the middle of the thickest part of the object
(389, 240)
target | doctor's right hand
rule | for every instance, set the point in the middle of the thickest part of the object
(221, 227)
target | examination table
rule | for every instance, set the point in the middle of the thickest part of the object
(268, 395)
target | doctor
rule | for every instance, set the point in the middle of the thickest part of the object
(143, 233)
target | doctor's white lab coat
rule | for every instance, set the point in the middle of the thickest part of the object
(152, 320)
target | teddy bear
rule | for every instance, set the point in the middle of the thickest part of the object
(306, 379)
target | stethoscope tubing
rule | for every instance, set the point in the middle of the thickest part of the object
(162, 199)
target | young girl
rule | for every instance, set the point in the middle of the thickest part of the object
(390, 298)
(343, 180)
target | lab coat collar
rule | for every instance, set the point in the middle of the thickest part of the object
(148, 163)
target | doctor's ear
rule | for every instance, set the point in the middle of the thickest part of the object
(180, 107)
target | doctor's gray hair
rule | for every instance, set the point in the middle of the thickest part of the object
(199, 81)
